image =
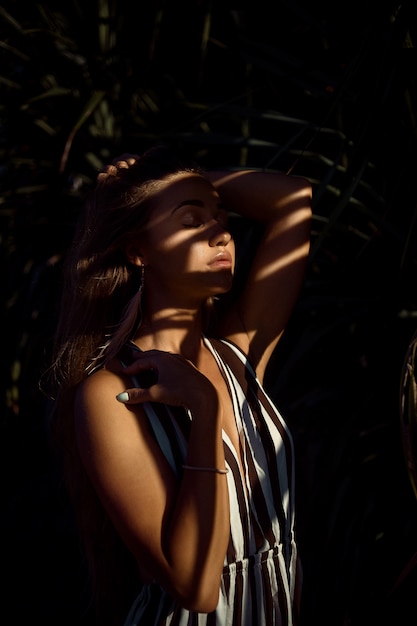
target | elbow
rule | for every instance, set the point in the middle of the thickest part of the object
(195, 597)
(296, 204)
(199, 593)
(303, 184)
(200, 601)
(303, 192)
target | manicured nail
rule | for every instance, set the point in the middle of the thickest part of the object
(123, 397)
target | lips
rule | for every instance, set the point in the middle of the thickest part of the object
(222, 259)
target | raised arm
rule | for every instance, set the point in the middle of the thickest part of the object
(283, 205)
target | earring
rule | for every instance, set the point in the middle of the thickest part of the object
(142, 278)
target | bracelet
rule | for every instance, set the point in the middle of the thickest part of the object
(206, 469)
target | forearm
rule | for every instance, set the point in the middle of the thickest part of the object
(199, 529)
(259, 195)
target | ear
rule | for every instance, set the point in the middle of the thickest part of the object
(133, 255)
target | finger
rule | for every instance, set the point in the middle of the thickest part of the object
(146, 378)
(126, 159)
(140, 369)
(128, 355)
(139, 364)
(133, 396)
(131, 357)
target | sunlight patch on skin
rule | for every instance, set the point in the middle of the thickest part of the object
(293, 255)
(285, 261)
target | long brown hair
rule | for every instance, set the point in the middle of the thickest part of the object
(100, 310)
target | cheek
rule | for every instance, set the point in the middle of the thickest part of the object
(171, 244)
(169, 255)
(197, 254)
(157, 245)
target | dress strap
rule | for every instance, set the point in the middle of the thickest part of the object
(151, 412)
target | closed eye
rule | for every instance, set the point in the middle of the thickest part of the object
(193, 224)
(197, 220)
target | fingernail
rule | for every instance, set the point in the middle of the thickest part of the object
(122, 397)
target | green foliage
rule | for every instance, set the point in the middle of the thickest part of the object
(323, 90)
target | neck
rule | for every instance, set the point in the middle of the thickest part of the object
(176, 330)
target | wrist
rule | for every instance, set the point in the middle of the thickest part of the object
(205, 403)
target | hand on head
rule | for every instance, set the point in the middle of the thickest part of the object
(122, 162)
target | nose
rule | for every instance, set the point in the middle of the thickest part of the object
(220, 236)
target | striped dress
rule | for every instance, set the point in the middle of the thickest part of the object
(260, 581)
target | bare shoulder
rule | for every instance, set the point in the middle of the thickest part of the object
(97, 390)
(102, 382)
(113, 439)
(97, 411)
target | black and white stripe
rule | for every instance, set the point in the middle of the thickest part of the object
(260, 574)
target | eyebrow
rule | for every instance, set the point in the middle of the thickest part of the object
(195, 202)
(192, 202)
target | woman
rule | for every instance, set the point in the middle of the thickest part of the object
(170, 439)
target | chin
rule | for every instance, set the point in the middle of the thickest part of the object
(223, 288)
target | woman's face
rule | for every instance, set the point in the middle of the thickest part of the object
(186, 247)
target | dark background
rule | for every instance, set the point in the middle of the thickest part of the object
(326, 90)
